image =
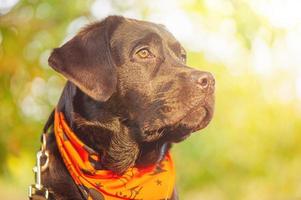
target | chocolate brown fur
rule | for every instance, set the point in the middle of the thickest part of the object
(127, 108)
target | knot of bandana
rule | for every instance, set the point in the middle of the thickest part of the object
(154, 182)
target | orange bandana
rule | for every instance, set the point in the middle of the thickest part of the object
(151, 183)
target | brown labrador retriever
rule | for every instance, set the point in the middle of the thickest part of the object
(129, 96)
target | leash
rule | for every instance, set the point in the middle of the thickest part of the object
(37, 191)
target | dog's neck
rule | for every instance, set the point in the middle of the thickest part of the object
(104, 127)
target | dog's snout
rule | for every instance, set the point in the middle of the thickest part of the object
(204, 80)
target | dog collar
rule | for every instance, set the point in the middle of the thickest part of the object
(152, 182)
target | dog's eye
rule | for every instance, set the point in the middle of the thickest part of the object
(183, 58)
(144, 53)
(183, 55)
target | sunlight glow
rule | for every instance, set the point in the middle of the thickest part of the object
(261, 56)
(101, 8)
(298, 86)
(281, 14)
(7, 5)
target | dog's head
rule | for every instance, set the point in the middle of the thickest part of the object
(144, 67)
(163, 95)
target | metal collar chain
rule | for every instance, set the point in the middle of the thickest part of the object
(37, 190)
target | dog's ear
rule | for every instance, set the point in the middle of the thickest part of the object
(86, 59)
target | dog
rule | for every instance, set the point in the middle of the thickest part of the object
(129, 96)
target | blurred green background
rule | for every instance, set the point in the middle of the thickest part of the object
(252, 148)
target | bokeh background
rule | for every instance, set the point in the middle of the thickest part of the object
(252, 148)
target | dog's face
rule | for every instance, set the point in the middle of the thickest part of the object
(144, 67)
(162, 94)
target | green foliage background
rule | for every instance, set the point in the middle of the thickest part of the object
(251, 149)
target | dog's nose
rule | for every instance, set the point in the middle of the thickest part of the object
(204, 80)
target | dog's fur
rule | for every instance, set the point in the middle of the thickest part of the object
(127, 107)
